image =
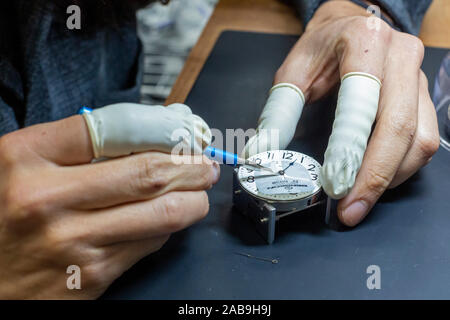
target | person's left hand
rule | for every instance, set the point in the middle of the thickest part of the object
(338, 41)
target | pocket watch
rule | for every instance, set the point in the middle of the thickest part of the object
(291, 185)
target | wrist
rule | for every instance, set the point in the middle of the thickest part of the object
(368, 3)
(333, 10)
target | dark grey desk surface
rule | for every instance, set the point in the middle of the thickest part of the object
(407, 234)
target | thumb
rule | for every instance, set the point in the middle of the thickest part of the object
(278, 120)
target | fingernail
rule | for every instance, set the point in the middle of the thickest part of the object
(354, 213)
(216, 167)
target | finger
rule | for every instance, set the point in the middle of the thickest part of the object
(355, 113)
(426, 139)
(123, 129)
(362, 64)
(311, 64)
(393, 133)
(164, 215)
(181, 108)
(364, 51)
(278, 121)
(124, 255)
(139, 177)
(64, 142)
(110, 262)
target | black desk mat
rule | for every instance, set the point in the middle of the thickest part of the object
(407, 234)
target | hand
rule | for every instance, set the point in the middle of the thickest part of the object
(57, 209)
(338, 41)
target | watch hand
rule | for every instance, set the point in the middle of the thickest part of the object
(290, 164)
(274, 174)
(249, 163)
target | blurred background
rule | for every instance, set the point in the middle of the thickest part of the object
(168, 34)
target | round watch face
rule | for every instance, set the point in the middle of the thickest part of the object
(292, 176)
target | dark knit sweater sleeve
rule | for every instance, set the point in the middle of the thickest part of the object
(407, 14)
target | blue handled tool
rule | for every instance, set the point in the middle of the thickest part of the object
(84, 109)
(232, 159)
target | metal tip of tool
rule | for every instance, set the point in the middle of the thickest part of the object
(253, 164)
(259, 166)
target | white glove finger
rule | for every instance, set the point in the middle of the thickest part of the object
(264, 140)
(278, 121)
(201, 133)
(356, 110)
(123, 129)
(181, 108)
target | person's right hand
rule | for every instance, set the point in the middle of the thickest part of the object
(57, 209)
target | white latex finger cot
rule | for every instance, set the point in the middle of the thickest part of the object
(123, 129)
(355, 114)
(278, 120)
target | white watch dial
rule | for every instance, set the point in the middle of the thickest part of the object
(295, 176)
